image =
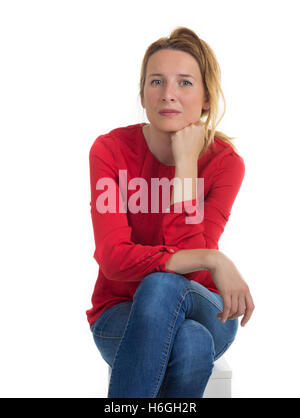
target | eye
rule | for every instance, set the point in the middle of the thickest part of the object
(187, 82)
(156, 84)
(153, 81)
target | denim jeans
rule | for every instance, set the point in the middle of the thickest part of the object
(164, 342)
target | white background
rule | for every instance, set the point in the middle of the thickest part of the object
(70, 72)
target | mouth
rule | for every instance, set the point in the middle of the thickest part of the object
(169, 114)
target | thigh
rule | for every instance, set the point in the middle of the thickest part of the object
(205, 307)
(109, 329)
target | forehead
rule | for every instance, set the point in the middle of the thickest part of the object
(169, 62)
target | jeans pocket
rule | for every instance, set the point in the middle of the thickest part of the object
(112, 322)
(98, 325)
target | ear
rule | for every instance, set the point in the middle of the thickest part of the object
(206, 104)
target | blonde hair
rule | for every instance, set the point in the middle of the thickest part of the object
(186, 40)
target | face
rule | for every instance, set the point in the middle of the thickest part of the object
(184, 93)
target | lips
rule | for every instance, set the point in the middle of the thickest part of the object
(166, 111)
(169, 112)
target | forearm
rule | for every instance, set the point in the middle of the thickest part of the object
(188, 261)
(185, 169)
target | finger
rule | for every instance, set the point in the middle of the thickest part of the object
(241, 308)
(234, 305)
(241, 305)
(249, 309)
(235, 316)
(226, 307)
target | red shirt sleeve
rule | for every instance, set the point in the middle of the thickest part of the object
(118, 257)
(217, 205)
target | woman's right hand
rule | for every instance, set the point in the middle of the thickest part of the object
(235, 292)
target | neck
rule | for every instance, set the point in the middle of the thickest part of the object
(160, 144)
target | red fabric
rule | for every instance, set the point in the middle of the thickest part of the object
(129, 245)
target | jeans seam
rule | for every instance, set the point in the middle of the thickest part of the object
(162, 389)
(227, 345)
(108, 337)
(168, 339)
(167, 344)
(99, 334)
(207, 298)
(116, 356)
(172, 326)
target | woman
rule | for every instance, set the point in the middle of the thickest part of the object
(166, 302)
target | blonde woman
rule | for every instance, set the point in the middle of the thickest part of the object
(166, 301)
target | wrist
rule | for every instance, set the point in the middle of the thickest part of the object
(186, 162)
(190, 260)
(213, 259)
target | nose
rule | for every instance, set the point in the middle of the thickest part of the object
(168, 93)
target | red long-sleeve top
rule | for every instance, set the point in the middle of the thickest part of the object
(130, 245)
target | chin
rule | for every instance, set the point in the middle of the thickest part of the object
(170, 124)
(175, 126)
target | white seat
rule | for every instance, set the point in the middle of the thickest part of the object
(219, 384)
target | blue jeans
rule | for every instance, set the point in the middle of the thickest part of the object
(163, 343)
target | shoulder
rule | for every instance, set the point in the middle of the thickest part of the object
(121, 137)
(227, 157)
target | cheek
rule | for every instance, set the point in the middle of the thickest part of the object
(151, 96)
(192, 103)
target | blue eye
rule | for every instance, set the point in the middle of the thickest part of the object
(185, 81)
(154, 80)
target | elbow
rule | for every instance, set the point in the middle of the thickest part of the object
(109, 269)
(113, 268)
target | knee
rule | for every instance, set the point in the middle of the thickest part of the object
(161, 284)
(157, 290)
(193, 348)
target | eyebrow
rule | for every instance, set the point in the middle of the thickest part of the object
(181, 75)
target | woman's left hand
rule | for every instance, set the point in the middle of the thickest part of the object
(237, 299)
(188, 142)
